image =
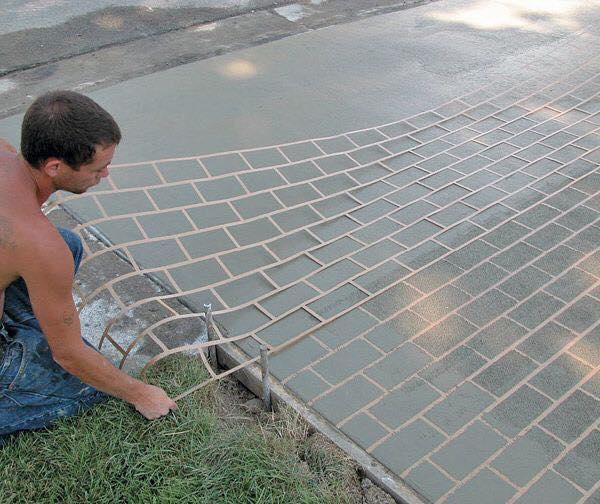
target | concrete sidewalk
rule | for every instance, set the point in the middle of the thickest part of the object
(417, 244)
(333, 80)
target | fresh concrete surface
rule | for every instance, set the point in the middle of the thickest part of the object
(331, 80)
(429, 287)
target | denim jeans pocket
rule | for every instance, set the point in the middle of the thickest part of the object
(30, 399)
(12, 365)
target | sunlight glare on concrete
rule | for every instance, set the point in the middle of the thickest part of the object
(238, 69)
(7, 85)
(532, 15)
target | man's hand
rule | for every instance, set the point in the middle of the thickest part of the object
(154, 403)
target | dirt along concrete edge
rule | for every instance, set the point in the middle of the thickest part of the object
(228, 356)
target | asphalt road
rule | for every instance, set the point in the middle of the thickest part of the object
(17, 15)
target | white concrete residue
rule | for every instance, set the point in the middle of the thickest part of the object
(7, 85)
(94, 318)
(203, 338)
(87, 84)
(293, 12)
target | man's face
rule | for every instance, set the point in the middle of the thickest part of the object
(88, 175)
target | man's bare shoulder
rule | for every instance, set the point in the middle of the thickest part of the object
(7, 159)
(5, 146)
(32, 248)
(39, 245)
(10, 184)
(8, 156)
(38, 235)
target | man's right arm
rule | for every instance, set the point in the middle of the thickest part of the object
(48, 272)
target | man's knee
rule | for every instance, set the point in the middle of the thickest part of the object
(74, 243)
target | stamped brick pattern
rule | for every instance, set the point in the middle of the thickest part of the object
(430, 286)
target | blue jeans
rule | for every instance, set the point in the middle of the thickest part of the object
(34, 390)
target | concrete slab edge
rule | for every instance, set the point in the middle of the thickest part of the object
(229, 356)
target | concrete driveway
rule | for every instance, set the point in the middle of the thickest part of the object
(405, 209)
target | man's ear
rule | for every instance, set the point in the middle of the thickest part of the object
(51, 167)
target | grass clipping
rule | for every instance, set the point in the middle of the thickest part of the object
(111, 454)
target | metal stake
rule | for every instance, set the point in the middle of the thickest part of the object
(210, 331)
(264, 364)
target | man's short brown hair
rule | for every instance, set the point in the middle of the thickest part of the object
(68, 126)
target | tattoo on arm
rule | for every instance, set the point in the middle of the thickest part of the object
(68, 318)
(7, 240)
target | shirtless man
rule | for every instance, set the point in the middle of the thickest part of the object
(47, 370)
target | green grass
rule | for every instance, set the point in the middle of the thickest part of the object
(111, 454)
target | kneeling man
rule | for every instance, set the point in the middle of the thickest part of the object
(47, 370)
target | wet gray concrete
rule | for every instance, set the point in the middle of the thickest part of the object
(100, 48)
(338, 79)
